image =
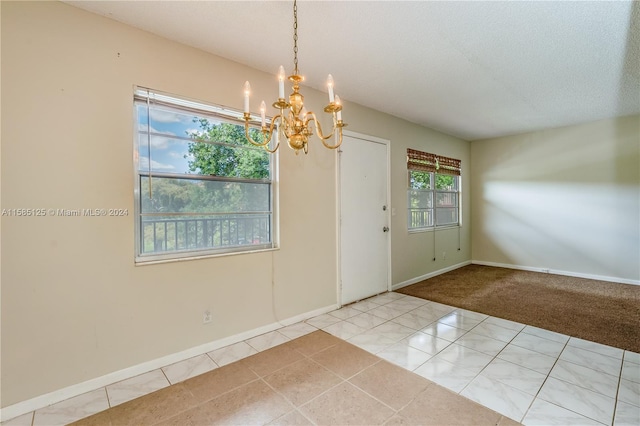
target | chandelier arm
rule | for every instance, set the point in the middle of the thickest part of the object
(337, 145)
(271, 151)
(321, 135)
(271, 129)
(268, 133)
(246, 134)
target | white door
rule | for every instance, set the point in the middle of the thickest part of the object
(364, 215)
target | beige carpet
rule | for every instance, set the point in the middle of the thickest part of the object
(599, 311)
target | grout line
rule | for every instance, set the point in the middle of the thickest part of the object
(568, 409)
(200, 404)
(212, 360)
(165, 375)
(616, 400)
(279, 393)
(108, 397)
(381, 402)
(323, 393)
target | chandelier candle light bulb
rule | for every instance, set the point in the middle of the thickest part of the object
(293, 121)
(330, 87)
(247, 92)
(281, 77)
(263, 110)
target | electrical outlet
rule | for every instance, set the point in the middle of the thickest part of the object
(545, 270)
(444, 255)
(206, 316)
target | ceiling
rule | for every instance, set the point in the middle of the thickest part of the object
(473, 70)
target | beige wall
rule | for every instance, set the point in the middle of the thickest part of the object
(74, 306)
(565, 199)
(412, 253)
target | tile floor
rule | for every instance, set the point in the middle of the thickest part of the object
(399, 346)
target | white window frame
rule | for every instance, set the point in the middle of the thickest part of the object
(432, 193)
(205, 110)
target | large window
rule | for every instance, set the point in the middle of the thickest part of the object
(434, 190)
(201, 187)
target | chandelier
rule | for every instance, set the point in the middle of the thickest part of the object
(293, 122)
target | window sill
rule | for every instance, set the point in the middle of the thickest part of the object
(144, 261)
(439, 228)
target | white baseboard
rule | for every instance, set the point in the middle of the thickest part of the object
(429, 275)
(558, 272)
(59, 395)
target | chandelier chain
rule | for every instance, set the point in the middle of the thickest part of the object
(295, 37)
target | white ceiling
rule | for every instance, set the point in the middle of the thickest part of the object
(470, 69)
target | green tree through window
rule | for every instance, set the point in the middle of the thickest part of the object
(222, 157)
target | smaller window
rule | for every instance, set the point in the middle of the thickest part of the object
(434, 191)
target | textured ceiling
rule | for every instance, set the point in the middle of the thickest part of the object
(470, 69)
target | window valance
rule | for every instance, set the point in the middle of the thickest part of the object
(427, 162)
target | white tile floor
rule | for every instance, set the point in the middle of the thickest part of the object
(531, 375)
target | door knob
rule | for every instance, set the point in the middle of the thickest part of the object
(385, 229)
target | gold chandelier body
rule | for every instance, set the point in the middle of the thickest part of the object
(293, 122)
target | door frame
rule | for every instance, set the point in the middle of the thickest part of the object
(387, 144)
